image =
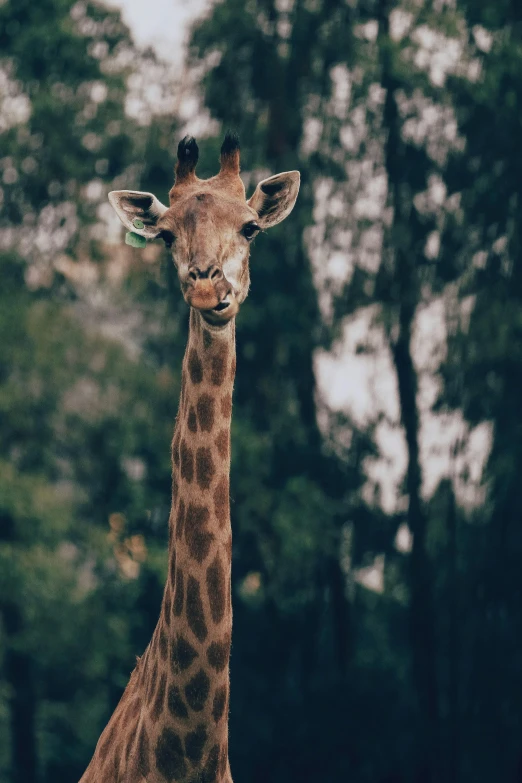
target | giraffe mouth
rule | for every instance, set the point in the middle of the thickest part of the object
(223, 312)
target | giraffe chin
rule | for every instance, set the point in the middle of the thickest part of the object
(223, 312)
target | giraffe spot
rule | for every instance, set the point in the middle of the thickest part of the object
(216, 588)
(204, 467)
(194, 610)
(198, 538)
(192, 421)
(228, 550)
(176, 704)
(128, 743)
(182, 393)
(169, 756)
(172, 565)
(167, 609)
(211, 767)
(222, 501)
(178, 594)
(182, 655)
(107, 742)
(197, 690)
(142, 667)
(219, 704)
(223, 443)
(163, 645)
(151, 683)
(180, 520)
(174, 491)
(233, 368)
(218, 368)
(175, 446)
(187, 462)
(195, 744)
(133, 711)
(195, 367)
(143, 752)
(223, 759)
(207, 339)
(117, 762)
(218, 654)
(205, 407)
(157, 704)
(226, 406)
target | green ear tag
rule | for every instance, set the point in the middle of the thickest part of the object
(138, 223)
(135, 240)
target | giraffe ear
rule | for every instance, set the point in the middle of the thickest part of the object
(139, 212)
(274, 198)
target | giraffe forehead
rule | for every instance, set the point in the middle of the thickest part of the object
(204, 209)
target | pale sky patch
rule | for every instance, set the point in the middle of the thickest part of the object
(162, 24)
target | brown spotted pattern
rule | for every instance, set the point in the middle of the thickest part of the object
(205, 468)
(176, 705)
(222, 444)
(205, 408)
(176, 718)
(221, 501)
(178, 593)
(197, 535)
(195, 611)
(216, 586)
(195, 744)
(157, 704)
(182, 654)
(192, 421)
(219, 704)
(195, 367)
(218, 654)
(187, 462)
(197, 690)
(226, 406)
(170, 756)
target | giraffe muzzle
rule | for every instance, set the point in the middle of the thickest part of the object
(216, 300)
(203, 295)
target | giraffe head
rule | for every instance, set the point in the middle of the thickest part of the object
(209, 225)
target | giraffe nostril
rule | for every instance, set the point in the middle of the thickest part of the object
(211, 272)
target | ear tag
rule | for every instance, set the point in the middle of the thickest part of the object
(135, 240)
(138, 223)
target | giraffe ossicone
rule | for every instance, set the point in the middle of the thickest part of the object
(171, 723)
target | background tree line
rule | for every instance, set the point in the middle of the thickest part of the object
(377, 543)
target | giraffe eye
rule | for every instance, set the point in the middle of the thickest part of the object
(167, 236)
(249, 230)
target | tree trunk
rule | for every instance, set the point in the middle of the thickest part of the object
(405, 284)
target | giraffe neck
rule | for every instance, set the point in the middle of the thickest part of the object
(188, 684)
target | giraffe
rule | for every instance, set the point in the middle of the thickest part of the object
(171, 723)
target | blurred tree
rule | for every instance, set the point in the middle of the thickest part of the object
(483, 375)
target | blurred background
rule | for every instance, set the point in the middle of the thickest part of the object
(377, 433)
